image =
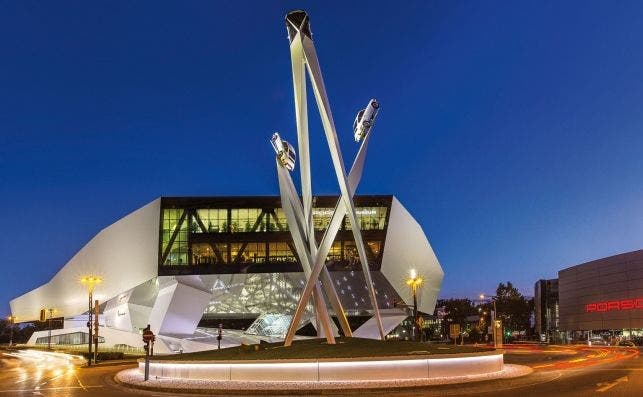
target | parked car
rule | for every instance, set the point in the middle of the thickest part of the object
(626, 343)
(597, 342)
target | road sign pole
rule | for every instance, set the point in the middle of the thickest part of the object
(147, 361)
(148, 339)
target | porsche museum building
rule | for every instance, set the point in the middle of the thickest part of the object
(179, 261)
(602, 298)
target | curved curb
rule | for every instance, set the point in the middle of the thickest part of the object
(131, 378)
(434, 356)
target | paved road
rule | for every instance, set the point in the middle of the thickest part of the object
(43, 375)
(558, 371)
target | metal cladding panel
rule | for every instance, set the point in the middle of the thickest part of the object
(124, 254)
(179, 307)
(613, 281)
(407, 248)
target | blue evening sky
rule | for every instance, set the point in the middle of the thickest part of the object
(512, 131)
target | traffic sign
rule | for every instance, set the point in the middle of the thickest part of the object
(454, 330)
(148, 336)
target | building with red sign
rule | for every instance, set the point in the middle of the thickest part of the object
(602, 297)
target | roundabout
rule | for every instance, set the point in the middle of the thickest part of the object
(313, 365)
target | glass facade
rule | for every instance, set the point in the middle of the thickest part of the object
(321, 217)
(174, 241)
(247, 220)
(250, 235)
(369, 218)
(213, 220)
(74, 338)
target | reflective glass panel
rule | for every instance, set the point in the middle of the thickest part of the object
(370, 218)
(280, 252)
(321, 217)
(281, 219)
(245, 219)
(176, 250)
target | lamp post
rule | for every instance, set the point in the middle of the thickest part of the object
(51, 313)
(90, 282)
(12, 320)
(494, 313)
(414, 281)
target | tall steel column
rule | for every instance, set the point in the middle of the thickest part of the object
(304, 59)
(301, 45)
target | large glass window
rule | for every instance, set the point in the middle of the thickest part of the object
(209, 254)
(244, 219)
(335, 253)
(321, 217)
(215, 220)
(280, 252)
(203, 254)
(350, 252)
(369, 218)
(174, 242)
(281, 219)
(252, 253)
(74, 338)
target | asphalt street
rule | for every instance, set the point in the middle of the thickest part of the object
(558, 371)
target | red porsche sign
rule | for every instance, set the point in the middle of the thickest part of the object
(608, 306)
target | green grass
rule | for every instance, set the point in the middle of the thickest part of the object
(317, 348)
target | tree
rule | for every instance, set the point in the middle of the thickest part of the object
(21, 332)
(513, 308)
(456, 312)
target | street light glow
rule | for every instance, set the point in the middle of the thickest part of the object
(414, 281)
(90, 281)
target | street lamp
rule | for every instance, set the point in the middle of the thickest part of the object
(12, 320)
(414, 281)
(51, 313)
(90, 282)
(494, 313)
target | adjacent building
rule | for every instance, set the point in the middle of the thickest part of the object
(180, 261)
(547, 311)
(603, 296)
(601, 300)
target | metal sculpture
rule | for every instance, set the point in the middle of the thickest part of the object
(299, 212)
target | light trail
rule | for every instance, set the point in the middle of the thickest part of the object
(585, 356)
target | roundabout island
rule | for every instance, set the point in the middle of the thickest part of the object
(313, 365)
